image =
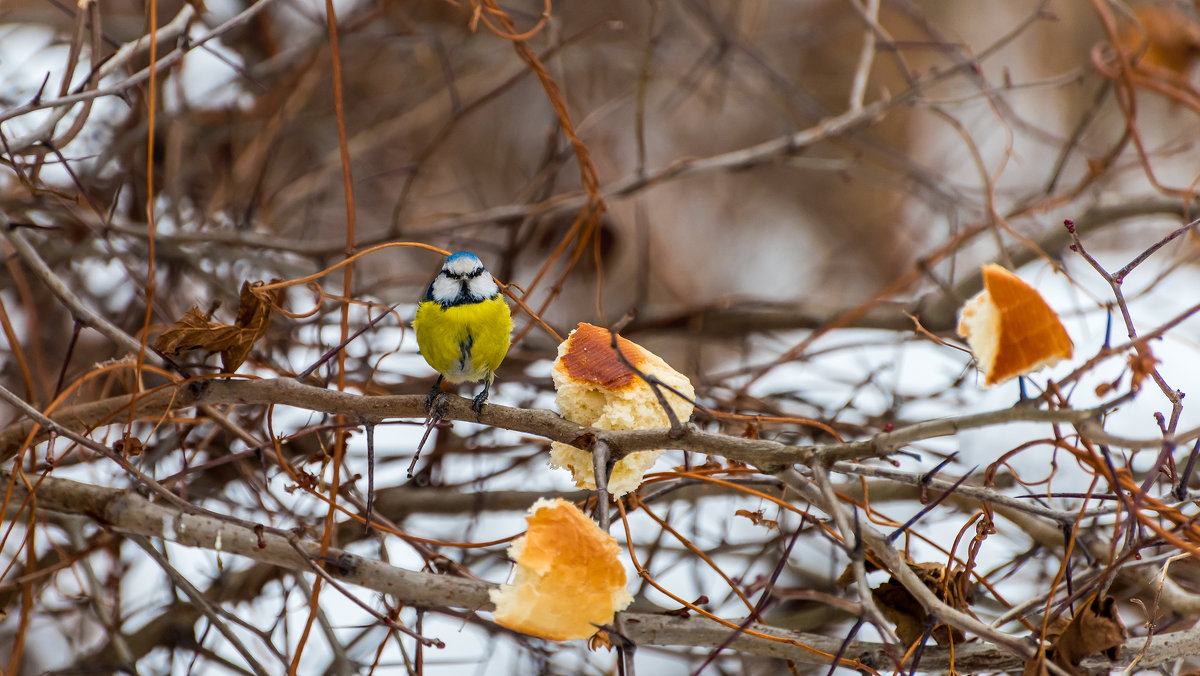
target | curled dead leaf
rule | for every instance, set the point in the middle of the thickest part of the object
(1054, 629)
(1036, 666)
(1103, 389)
(197, 331)
(130, 447)
(253, 317)
(903, 609)
(1096, 628)
(194, 331)
(910, 617)
(750, 431)
(758, 519)
(599, 640)
(1141, 364)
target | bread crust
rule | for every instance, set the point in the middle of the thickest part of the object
(1011, 329)
(568, 578)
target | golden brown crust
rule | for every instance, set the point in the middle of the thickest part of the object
(569, 577)
(1030, 333)
(589, 357)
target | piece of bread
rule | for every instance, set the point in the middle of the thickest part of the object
(568, 578)
(1011, 329)
(594, 388)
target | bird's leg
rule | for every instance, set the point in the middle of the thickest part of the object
(478, 401)
(433, 394)
(370, 428)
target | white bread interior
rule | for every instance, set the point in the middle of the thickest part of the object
(979, 323)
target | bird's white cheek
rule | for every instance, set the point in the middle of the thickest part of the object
(483, 286)
(445, 289)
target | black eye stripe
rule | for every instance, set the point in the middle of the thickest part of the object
(470, 275)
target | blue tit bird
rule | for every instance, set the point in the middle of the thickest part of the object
(463, 326)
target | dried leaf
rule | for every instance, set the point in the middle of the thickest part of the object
(846, 577)
(1103, 389)
(750, 431)
(710, 463)
(1141, 364)
(1055, 629)
(197, 331)
(1036, 666)
(130, 447)
(600, 640)
(1096, 628)
(870, 565)
(902, 609)
(253, 318)
(909, 616)
(1165, 38)
(758, 519)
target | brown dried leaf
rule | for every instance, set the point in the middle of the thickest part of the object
(1055, 629)
(710, 462)
(1141, 364)
(253, 319)
(600, 640)
(1103, 389)
(899, 606)
(1096, 628)
(197, 331)
(758, 519)
(1165, 38)
(1036, 666)
(130, 447)
(846, 577)
(870, 565)
(902, 609)
(750, 431)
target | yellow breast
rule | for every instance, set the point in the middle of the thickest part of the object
(465, 343)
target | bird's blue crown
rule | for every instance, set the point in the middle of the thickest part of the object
(465, 256)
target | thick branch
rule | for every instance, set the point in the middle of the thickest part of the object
(541, 423)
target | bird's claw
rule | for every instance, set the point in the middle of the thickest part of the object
(477, 404)
(433, 395)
